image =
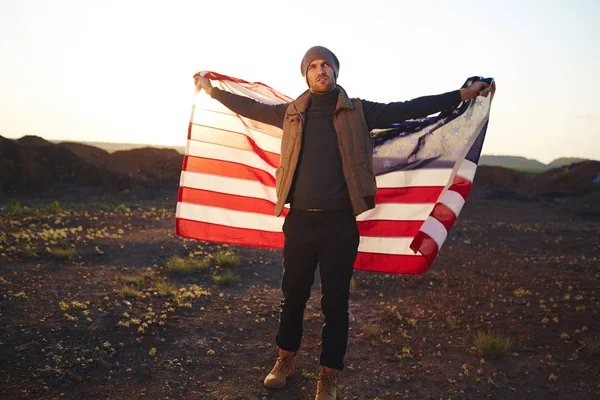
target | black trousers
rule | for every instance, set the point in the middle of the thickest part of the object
(330, 239)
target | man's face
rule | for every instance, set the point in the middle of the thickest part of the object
(320, 76)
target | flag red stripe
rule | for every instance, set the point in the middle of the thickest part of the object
(228, 169)
(391, 263)
(426, 245)
(226, 234)
(445, 215)
(389, 228)
(461, 186)
(416, 194)
(236, 140)
(227, 201)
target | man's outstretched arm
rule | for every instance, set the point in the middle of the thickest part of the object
(245, 106)
(380, 115)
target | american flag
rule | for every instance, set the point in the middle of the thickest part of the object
(424, 169)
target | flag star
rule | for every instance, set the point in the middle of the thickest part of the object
(468, 117)
(375, 152)
(433, 154)
(479, 102)
(456, 151)
(455, 129)
(412, 158)
(387, 163)
(444, 140)
(455, 112)
(399, 151)
(413, 139)
(388, 141)
(442, 121)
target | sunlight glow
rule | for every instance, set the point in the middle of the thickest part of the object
(122, 71)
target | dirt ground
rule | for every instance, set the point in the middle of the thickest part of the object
(108, 320)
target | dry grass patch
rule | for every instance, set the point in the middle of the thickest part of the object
(226, 279)
(372, 330)
(166, 288)
(131, 292)
(63, 254)
(138, 278)
(186, 266)
(591, 345)
(226, 259)
(491, 345)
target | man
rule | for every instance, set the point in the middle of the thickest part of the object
(326, 174)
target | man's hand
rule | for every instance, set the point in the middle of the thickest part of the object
(201, 82)
(478, 88)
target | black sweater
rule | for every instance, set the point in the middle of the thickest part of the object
(319, 180)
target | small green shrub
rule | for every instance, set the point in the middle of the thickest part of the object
(186, 266)
(308, 375)
(131, 292)
(226, 279)
(372, 330)
(15, 208)
(29, 250)
(63, 254)
(166, 288)
(591, 345)
(122, 208)
(52, 208)
(491, 345)
(139, 278)
(226, 259)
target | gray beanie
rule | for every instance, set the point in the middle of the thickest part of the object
(320, 53)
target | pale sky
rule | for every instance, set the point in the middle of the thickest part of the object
(121, 71)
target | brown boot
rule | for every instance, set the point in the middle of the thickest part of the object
(326, 385)
(283, 369)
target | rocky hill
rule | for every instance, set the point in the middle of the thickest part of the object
(32, 166)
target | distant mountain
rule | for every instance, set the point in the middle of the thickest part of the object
(564, 161)
(112, 147)
(526, 164)
(512, 162)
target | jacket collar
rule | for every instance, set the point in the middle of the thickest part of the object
(302, 102)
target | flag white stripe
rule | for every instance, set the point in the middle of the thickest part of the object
(467, 170)
(398, 212)
(209, 122)
(234, 218)
(224, 153)
(453, 200)
(436, 230)
(386, 245)
(421, 177)
(224, 184)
